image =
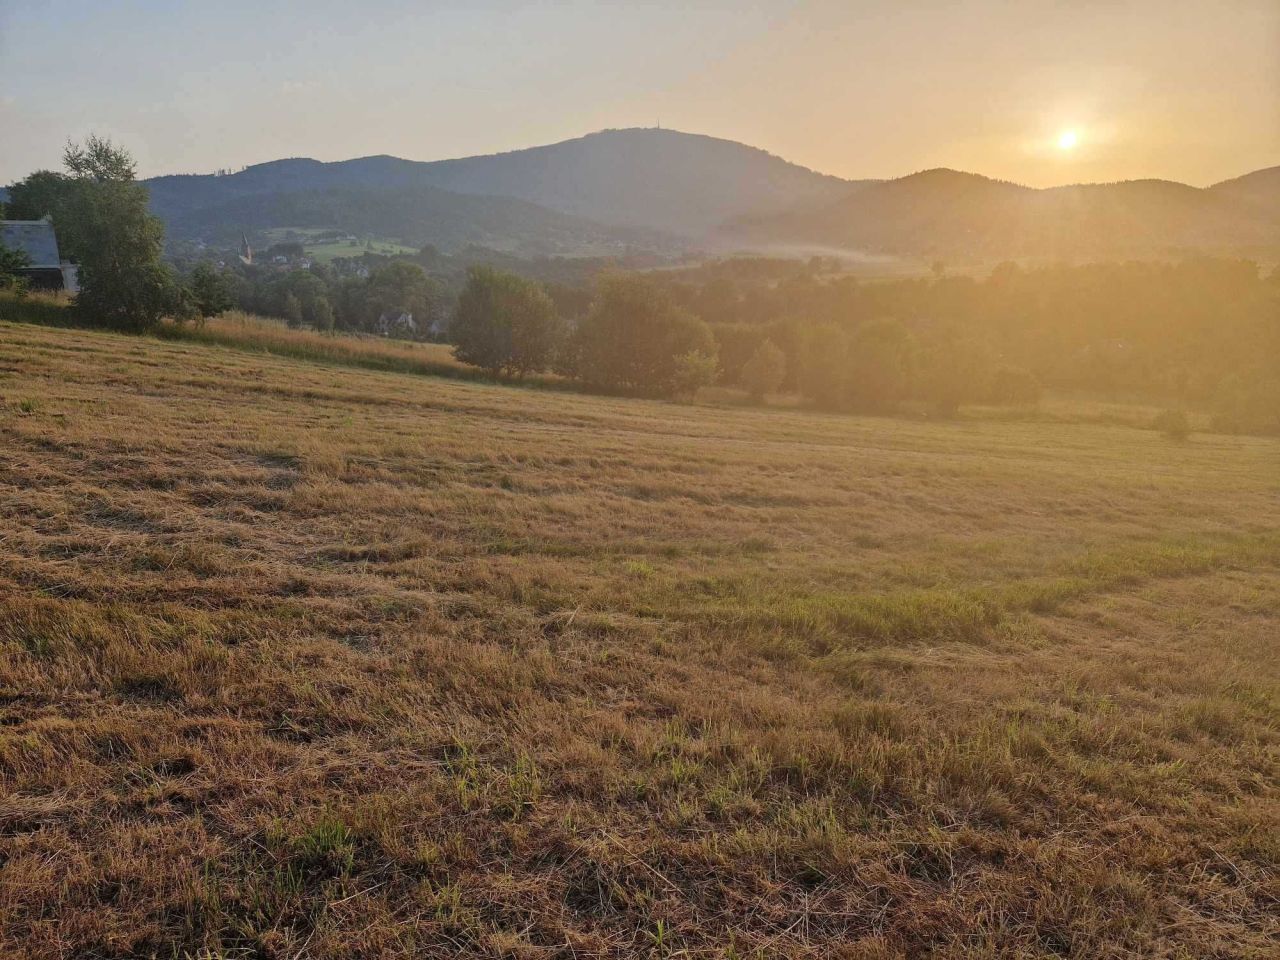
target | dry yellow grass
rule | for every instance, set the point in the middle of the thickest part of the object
(299, 660)
(261, 335)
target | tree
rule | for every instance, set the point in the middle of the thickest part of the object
(40, 195)
(209, 292)
(952, 371)
(763, 373)
(304, 299)
(102, 221)
(292, 310)
(881, 354)
(636, 339)
(693, 371)
(319, 313)
(505, 323)
(823, 374)
(400, 287)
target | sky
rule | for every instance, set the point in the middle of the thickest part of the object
(1180, 89)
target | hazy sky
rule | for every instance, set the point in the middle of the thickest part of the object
(1183, 89)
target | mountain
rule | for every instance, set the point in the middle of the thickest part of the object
(664, 191)
(1260, 189)
(661, 182)
(948, 213)
(676, 182)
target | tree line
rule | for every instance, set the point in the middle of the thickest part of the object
(1201, 332)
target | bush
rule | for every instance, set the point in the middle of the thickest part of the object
(1173, 424)
(635, 339)
(693, 370)
(764, 372)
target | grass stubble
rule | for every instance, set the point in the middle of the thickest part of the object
(303, 660)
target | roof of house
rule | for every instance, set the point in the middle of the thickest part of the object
(34, 237)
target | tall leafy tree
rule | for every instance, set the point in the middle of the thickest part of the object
(209, 291)
(101, 215)
(881, 360)
(505, 323)
(39, 195)
(637, 339)
(763, 373)
(401, 287)
(823, 374)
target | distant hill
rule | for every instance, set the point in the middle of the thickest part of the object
(662, 179)
(664, 191)
(661, 182)
(946, 213)
(1260, 189)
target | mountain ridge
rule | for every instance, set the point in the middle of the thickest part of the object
(674, 183)
(946, 212)
(673, 191)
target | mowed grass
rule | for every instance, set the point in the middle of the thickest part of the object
(304, 660)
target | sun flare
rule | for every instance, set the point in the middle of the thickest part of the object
(1068, 139)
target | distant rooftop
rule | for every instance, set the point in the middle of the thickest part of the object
(35, 237)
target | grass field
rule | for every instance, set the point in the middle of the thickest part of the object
(328, 252)
(299, 659)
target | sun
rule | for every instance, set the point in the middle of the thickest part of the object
(1068, 139)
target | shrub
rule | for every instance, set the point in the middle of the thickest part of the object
(764, 372)
(693, 370)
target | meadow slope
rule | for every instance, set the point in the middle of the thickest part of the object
(300, 660)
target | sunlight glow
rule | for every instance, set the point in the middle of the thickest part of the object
(1067, 140)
